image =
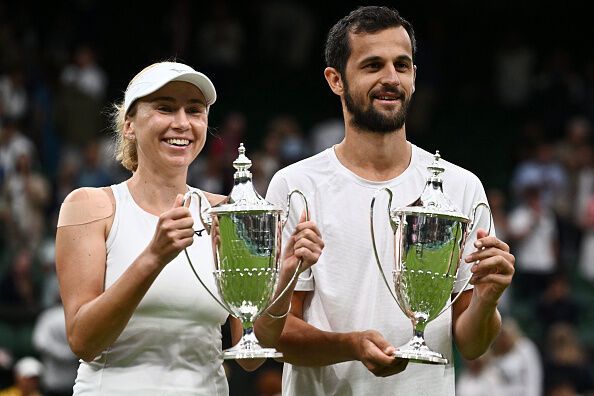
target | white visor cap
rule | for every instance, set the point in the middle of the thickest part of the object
(156, 76)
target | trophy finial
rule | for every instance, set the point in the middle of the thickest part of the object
(242, 163)
(435, 168)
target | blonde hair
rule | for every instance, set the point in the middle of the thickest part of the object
(125, 149)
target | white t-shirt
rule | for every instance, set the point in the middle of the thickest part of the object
(172, 343)
(347, 291)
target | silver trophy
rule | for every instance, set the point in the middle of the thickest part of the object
(246, 234)
(429, 238)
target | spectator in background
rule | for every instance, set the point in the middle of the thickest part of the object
(18, 290)
(27, 193)
(326, 134)
(27, 371)
(557, 304)
(533, 236)
(566, 361)
(571, 152)
(293, 146)
(479, 378)
(60, 364)
(518, 362)
(13, 143)
(514, 70)
(584, 213)
(498, 204)
(267, 160)
(6, 376)
(81, 99)
(64, 182)
(220, 40)
(541, 169)
(92, 173)
(14, 100)
(287, 29)
(207, 174)
(223, 146)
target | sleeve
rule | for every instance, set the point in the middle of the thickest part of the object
(479, 219)
(277, 194)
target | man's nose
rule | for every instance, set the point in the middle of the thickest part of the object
(390, 76)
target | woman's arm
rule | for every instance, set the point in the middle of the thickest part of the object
(96, 317)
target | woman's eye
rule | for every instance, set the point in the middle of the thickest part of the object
(196, 110)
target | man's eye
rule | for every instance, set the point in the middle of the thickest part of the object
(164, 109)
(402, 66)
(373, 66)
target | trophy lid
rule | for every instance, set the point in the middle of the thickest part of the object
(243, 196)
(433, 201)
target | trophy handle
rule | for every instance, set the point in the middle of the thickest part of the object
(469, 230)
(205, 217)
(394, 227)
(206, 220)
(283, 222)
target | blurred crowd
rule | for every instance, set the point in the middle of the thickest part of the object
(56, 85)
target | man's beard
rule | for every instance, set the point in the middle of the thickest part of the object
(371, 120)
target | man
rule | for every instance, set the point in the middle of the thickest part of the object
(341, 334)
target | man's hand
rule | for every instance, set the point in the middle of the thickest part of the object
(376, 353)
(493, 267)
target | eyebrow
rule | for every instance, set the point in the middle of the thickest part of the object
(376, 58)
(172, 100)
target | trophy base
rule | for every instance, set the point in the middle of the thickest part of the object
(249, 348)
(419, 357)
(261, 353)
(417, 351)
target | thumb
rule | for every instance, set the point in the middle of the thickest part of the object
(304, 216)
(481, 233)
(179, 200)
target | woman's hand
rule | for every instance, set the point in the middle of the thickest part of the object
(173, 234)
(305, 244)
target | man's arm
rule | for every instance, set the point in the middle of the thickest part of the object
(305, 345)
(476, 320)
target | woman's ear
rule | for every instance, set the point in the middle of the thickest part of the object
(129, 130)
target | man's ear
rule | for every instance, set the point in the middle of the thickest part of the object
(334, 80)
(414, 78)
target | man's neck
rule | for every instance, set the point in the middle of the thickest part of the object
(374, 156)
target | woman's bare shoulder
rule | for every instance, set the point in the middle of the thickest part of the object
(85, 205)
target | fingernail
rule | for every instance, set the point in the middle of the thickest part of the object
(478, 244)
(474, 268)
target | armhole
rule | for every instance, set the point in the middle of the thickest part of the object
(111, 235)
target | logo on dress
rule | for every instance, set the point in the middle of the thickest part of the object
(199, 232)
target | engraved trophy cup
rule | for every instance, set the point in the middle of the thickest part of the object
(429, 239)
(246, 234)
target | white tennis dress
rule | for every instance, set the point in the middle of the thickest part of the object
(172, 343)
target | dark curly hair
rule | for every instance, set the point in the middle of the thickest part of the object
(369, 19)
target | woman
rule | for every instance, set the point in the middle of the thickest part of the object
(135, 314)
